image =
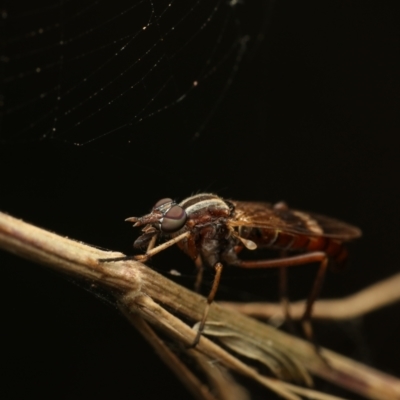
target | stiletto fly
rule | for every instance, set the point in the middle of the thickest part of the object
(213, 231)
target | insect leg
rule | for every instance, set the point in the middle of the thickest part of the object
(292, 261)
(218, 271)
(125, 258)
(199, 275)
(161, 247)
(315, 291)
(283, 288)
(283, 291)
(284, 299)
(152, 243)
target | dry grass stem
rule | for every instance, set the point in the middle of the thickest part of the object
(372, 298)
(158, 307)
(192, 383)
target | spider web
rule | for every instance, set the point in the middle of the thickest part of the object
(88, 72)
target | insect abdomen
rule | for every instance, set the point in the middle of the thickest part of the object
(334, 249)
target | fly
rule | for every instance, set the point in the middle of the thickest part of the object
(213, 231)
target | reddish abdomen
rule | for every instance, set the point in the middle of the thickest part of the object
(265, 238)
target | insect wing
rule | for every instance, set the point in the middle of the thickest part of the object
(280, 217)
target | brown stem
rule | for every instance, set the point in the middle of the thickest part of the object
(149, 294)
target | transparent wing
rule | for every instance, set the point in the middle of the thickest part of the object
(280, 217)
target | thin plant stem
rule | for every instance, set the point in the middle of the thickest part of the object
(162, 303)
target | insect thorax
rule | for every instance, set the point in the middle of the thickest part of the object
(207, 220)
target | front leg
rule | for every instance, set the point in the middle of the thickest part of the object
(161, 247)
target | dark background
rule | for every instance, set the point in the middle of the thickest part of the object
(310, 118)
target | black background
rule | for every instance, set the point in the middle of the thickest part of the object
(311, 118)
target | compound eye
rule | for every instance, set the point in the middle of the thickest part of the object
(162, 202)
(173, 219)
